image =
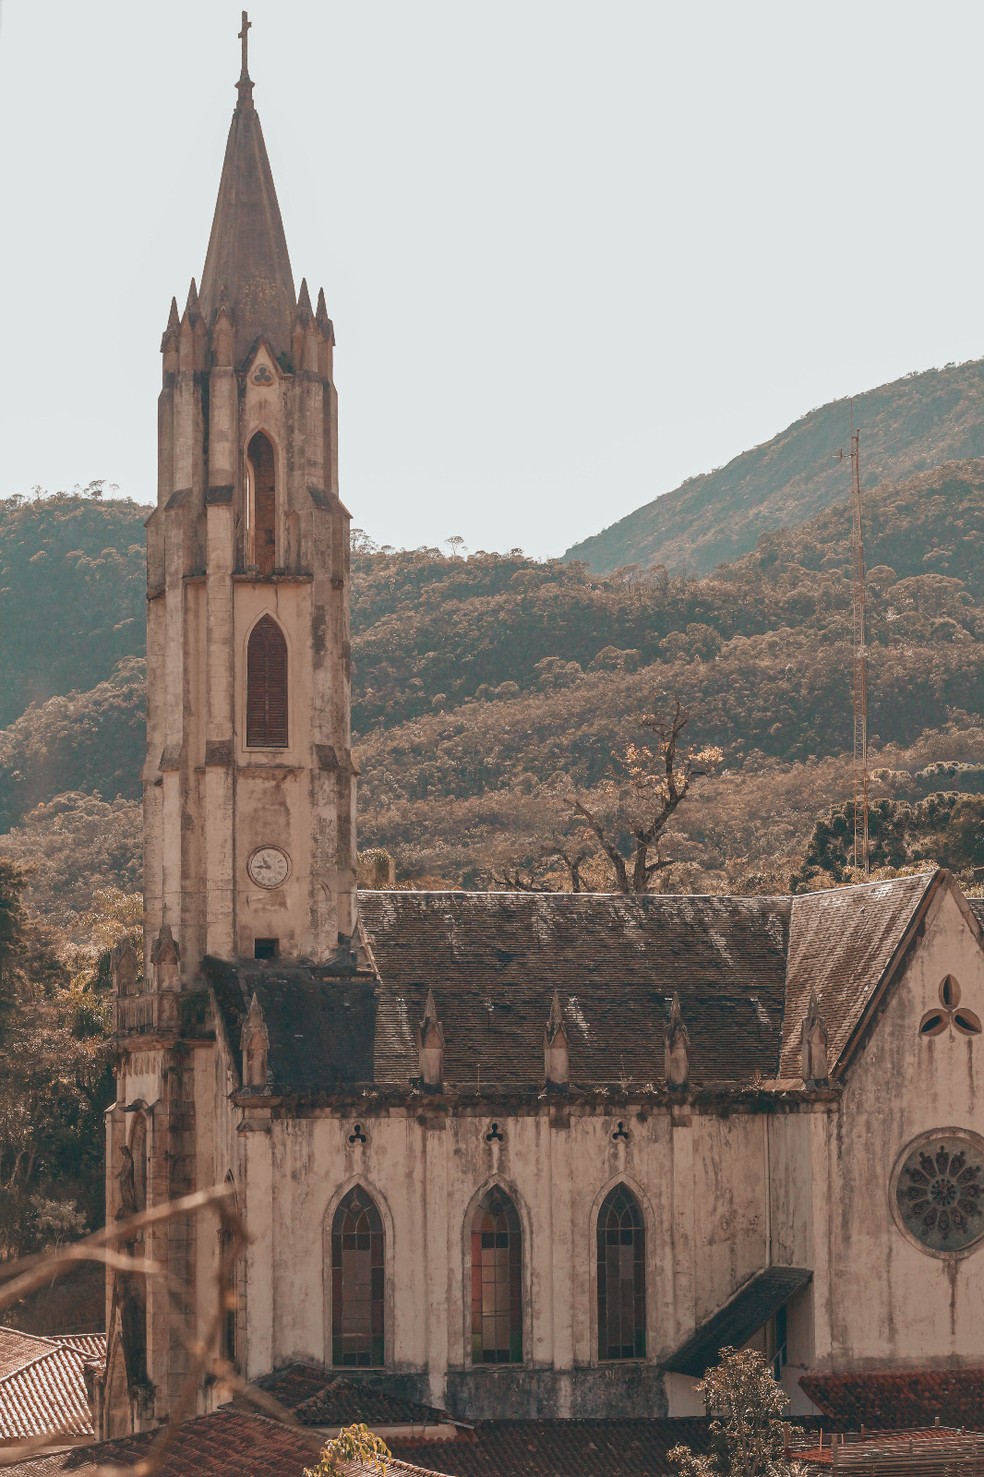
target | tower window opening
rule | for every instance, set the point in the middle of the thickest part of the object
(266, 948)
(261, 504)
(266, 686)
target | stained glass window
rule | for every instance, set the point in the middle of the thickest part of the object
(621, 1277)
(497, 1281)
(357, 1282)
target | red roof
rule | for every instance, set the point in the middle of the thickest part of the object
(561, 1448)
(227, 1443)
(42, 1384)
(885, 1399)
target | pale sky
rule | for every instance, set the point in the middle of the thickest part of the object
(574, 252)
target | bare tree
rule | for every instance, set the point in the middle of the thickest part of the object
(628, 818)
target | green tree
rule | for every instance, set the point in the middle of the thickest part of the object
(354, 1449)
(747, 1410)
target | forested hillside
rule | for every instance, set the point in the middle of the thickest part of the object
(71, 593)
(485, 686)
(909, 426)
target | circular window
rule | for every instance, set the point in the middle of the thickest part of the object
(938, 1191)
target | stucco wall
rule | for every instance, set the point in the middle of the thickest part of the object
(700, 1182)
(881, 1300)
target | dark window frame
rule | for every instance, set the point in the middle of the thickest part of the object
(358, 1267)
(267, 686)
(496, 1267)
(621, 1264)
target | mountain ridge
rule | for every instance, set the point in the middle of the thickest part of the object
(907, 426)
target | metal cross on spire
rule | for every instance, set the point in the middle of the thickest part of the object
(244, 38)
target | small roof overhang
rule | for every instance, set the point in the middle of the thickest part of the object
(739, 1320)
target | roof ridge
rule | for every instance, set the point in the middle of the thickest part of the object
(39, 1359)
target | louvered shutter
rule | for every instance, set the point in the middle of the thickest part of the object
(266, 687)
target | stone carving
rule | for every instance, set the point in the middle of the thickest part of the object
(815, 1039)
(430, 1046)
(676, 1049)
(939, 1191)
(556, 1047)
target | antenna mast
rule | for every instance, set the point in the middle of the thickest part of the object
(859, 677)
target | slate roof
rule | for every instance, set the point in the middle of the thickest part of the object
(840, 943)
(317, 1397)
(743, 968)
(42, 1384)
(574, 1448)
(739, 1320)
(493, 960)
(321, 1029)
(882, 1399)
(228, 1443)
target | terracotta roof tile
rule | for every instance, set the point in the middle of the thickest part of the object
(18, 1349)
(228, 1443)
(587, 1448)
(840, 943)
(896, 1399)
(42, 1386)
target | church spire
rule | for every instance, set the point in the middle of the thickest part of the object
(247, 264)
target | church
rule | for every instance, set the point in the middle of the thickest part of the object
(511, 1155)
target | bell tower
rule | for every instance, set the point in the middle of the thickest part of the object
(249, 778)
(249, 782)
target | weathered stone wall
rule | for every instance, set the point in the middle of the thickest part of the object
(880, 1299)
(700, 1182)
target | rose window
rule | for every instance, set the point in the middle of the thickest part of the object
(939, 1191)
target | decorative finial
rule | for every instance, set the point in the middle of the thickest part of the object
(814, 1043)
(244, 86)
(430, 1047)
(556, 1047)
(676, 1048)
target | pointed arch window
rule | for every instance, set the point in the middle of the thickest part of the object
(266, 686)
(357, 1270)
(261, 504)
(621, 1277)
(496, 1281)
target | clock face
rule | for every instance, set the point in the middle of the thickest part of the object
(268, 866)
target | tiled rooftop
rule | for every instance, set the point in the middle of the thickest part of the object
(42, 1384)
(893, 1399)
(575, 1448)
(228, 1443)
(742, 966)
